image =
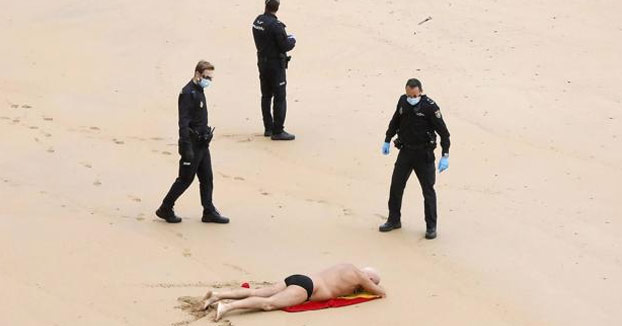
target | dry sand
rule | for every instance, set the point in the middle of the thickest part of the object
(530, 210)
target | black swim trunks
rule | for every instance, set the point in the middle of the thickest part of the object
(302, 281)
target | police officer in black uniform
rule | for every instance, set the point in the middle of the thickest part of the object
(416, 121)
(272, 44)
(194, 139)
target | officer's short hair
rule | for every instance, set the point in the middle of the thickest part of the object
(414, 82)
(204, 65)
(272, 5)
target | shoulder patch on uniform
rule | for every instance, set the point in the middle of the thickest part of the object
(401, 110)
(430, 100)
(438, 114)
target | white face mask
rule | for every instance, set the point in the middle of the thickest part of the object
(205, 83)
(413, 100)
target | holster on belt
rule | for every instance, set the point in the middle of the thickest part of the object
(285, 59)
(398, 143)
(202, 138)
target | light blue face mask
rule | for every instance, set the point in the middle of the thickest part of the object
(205, 83)
(413, 100)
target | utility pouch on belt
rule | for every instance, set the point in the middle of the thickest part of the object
(431, 140)
(398, 143)
(203, 138)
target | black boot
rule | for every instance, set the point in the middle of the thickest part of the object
(430, 233)
(284, 135)
(167, 214)
(389, 225)
(214, 217)
(267, 133)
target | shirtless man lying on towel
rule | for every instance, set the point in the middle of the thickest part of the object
(339, 280)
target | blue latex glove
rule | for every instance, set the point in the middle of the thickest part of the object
(385, 148)
(443, 164)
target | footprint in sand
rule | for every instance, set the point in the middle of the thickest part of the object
(187, 253)
(265, 193)
(86, 165)
(118, 142)
(51, 150)
(194, 307)
(97, 183)
(238, 138)
(33, 127)
(239, 179)
(136, 199)
(14, 106)
(48, 118)
(166, 153)
(94, 128)
(26, 106)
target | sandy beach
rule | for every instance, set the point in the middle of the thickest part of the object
(530, 216)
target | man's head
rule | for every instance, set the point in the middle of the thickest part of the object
(372, 274)
(204, 70)
(413, 88)
(272, 6)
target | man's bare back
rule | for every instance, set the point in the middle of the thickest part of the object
(340, 280)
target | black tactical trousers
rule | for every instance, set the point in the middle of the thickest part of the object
(200, 166)
(422, 162)
(273, 91)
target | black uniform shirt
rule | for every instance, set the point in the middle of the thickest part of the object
(416, 125)
(192, 111)
(270, 37)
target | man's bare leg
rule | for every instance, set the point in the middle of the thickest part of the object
(290, 296)
(212, 297)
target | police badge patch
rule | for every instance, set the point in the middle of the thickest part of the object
(401, 110)
(201, 104)
(438, 114)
